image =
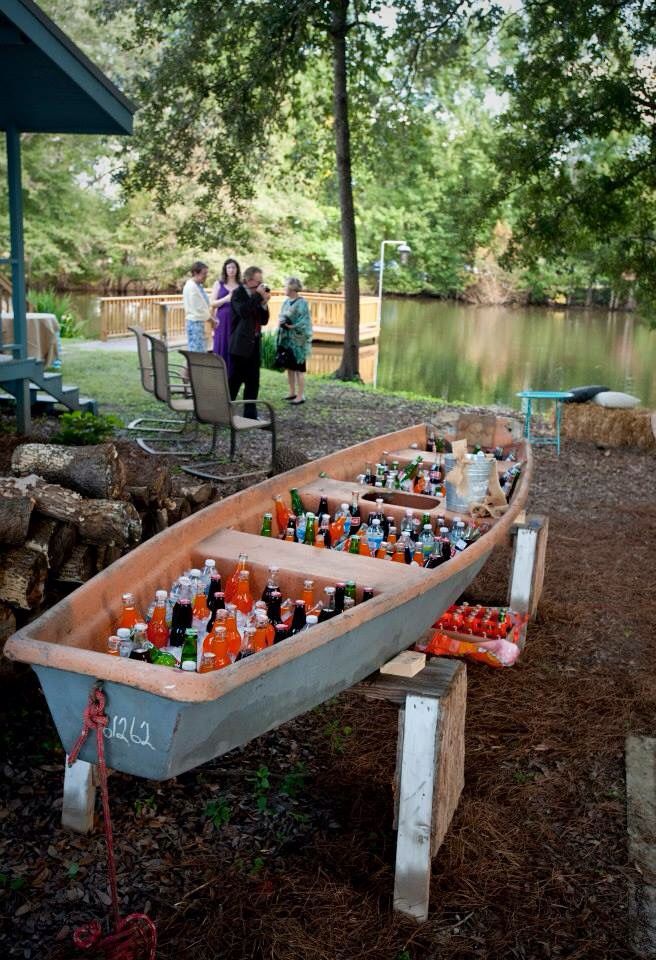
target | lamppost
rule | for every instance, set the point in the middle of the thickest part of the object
(404, 251)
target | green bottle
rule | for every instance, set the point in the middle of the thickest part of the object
(349, 589)
(162, 659)
(297, 503)
(188, 659)
(310, 530)
(265, 531)
(354, 545)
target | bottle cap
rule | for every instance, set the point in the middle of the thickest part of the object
(210, 563)
(427, 526)
(161, 594)
(311, 619)
(188, 665)
(123, 633)
(194, 573)
(128, 598)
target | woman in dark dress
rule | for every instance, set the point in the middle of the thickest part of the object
(229, 280)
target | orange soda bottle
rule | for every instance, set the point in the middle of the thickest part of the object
(399, 552)
(233, 582)
(283, 514)
(381, 553)
(232, 633)
(260, 636)
(157, 630)
(243, 599)
(364, 550)
(207, 663)
(216, 642)
(418, 555)
(200, 610)
(308, 594)
(129, 615)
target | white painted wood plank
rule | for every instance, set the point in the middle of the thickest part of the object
(522, 569)
(413, 845)
(79, 796)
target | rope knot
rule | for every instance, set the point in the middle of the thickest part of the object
(94, 718)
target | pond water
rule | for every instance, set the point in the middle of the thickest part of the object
(484, 355)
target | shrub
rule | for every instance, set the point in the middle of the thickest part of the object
(269, 347)
(49, 301)
(79, 429)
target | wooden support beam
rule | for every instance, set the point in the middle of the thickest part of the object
(79, 796)
(413, 845)
(527, 572)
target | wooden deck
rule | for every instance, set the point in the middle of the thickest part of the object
(163, 313)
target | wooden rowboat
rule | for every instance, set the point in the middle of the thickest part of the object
(164, 721)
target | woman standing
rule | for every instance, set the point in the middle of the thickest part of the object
(229, 280)
(196, 306)
(295, 333)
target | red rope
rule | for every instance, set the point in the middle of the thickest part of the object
(137, 930)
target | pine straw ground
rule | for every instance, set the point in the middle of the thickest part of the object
(535, 863)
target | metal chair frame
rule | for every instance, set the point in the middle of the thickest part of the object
(168, 394)
(179, 389)
(208, 376)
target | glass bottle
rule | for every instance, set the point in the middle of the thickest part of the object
(282, 632)
(349, 589)
(129, 615)
(273, 608)
(232, 632)
(340, 593)
(308, 594)
(427, 541)
(158, 631)
(216, 603)
(247, 649)
(297, 503)
(282, 514)
(207, 663)
(181, 620)
(354, 512)
(213, 587)
(299, 618)
(243, 599)
(200, 610)
(310, 530)
(124, 641)
(367, 593)
(324, 531)
(266, 530)
(323, 504)
(113, 644)
(260, 635)
(189, 657)
(354, 543)
(271, 584)
(328, 610)
(233, 582)
(209, 569)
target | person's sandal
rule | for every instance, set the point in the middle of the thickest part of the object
(295, 403)
(293, 397)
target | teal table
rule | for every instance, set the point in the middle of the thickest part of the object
(535, 395)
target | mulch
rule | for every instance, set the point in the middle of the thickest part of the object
(284, 849)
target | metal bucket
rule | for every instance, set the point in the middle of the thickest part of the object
(477, 474)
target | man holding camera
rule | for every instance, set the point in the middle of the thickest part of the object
(250, 312)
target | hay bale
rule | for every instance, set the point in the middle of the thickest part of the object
(613, 428)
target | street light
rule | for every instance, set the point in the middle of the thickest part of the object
(404, 252)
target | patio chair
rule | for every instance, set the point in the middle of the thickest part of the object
(178, 388)
(212, 404)
(168, 394)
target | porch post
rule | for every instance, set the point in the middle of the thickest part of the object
(23, 421)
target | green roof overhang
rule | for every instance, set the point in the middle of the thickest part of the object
(47, 85)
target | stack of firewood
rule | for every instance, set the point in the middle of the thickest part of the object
(68, 512)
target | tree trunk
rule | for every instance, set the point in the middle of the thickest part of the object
(22, 577)
(94, 471)
(15, 513)
(101, 522)
(349, 368)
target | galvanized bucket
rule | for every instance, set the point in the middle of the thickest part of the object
(477, 474)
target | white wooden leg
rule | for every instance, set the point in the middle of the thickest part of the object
(79, 796)
(527, 574)
(413, 845)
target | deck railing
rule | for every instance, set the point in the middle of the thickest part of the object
(164, 313)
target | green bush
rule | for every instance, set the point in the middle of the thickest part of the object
(269, 347)
(79, 429)
(49, 301)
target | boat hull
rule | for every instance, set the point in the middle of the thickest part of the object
(157, 738)
(164, 721)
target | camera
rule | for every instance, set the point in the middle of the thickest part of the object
(267, 289)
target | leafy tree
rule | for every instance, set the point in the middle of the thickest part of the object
(222, 78)
(577, 149)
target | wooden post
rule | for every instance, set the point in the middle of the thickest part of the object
(527, 572)
(79, 796)
(413, 845)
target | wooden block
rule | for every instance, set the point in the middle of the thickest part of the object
(406, 664)
(450, 774)
(79, 796)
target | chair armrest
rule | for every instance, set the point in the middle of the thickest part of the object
(262, 403)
